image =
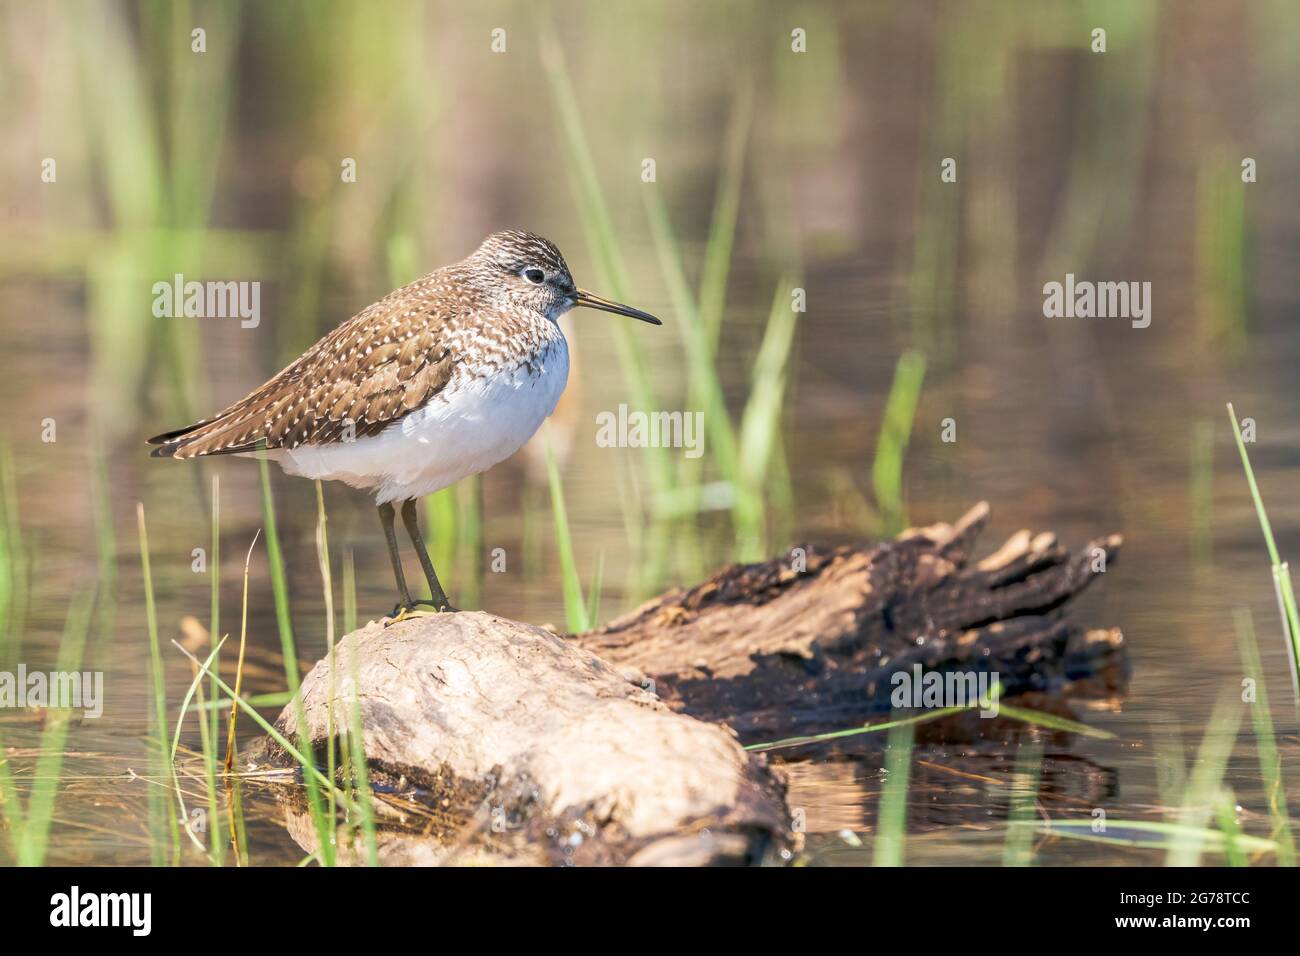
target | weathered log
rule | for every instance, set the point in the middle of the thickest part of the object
(620, 745)
(808, 642)
(531, 748)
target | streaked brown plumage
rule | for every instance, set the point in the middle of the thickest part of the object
(437, 380)
(382, 363)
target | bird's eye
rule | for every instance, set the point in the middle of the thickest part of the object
(535, 275)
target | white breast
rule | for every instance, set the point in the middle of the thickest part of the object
(466, 428)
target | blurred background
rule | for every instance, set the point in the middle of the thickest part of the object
(774, 171)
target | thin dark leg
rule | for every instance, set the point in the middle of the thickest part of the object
(413, 529)
(386, 515)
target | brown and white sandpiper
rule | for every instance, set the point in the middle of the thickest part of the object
(436, 381)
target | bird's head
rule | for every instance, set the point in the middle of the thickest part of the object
(524, 270)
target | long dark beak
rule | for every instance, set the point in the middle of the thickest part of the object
(593, 301)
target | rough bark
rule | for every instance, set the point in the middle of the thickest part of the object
(808, 641)
(620, 745)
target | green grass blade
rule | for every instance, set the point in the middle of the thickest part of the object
(891, 820)
(895, 433)
(441, 534)
(1052, 721)
(1018, 847)
(1171, 835)
(726, 208)
(157, 681)
(1201, 490)
(1281, 573)
(349, 592)
(105, 543)
(593, 593)
(308, 767)
(575, 608)
(1204, 783)
(288, 650)
(275, 699)
(46, 785)
(760, 423)
(14, 577)
(1023, 714)
(1225, 810)
(185, 701)
(208, 741)
(699, 353)
(1254, 489)
(470, 541)
(327, 591)
(360, 770)
(214, 612)
(601, 236)
(1270, 761)
(279, 580)
(11, 807)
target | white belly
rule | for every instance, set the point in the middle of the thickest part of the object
(465, 429)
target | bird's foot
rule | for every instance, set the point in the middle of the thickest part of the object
(403, 612)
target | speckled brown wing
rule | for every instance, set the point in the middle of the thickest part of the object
(369, 372)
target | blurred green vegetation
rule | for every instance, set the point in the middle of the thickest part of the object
(776, 172)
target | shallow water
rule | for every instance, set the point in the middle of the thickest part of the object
(1067, 163)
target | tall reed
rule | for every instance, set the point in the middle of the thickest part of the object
(29, 828)
(575, 609)
(895, 433)
(1018, 847)
(158, 683)
(602, 238)
(288, 650)
(891, 818)
(13, 561)
(214, 611)
(1270, 761)
(1204, 783)
(1281, 571)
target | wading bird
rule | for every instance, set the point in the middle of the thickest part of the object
(436, 381)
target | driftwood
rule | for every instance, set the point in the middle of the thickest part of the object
(775, 649)
(623, 745)
(529, 747)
